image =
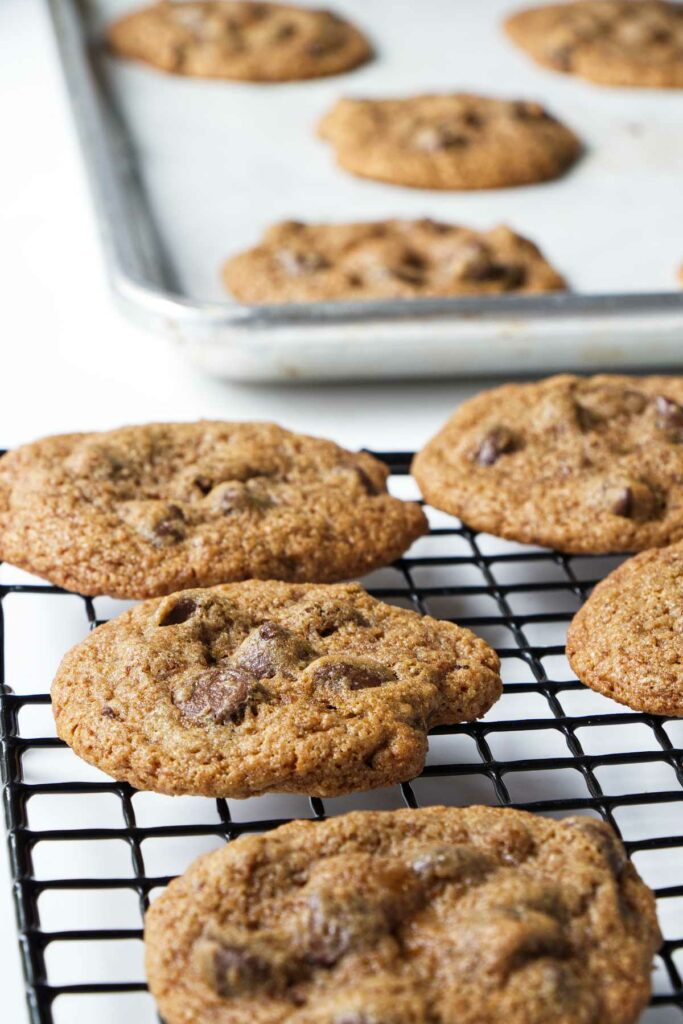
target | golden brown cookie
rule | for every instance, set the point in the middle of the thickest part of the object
(611, 42)
(626, 641)
(389, 259)
(260, 686)
(581, 464)
(143, 511)
(474, 915)
(240, 39)
(449, 141)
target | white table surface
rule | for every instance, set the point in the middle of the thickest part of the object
(69, 360)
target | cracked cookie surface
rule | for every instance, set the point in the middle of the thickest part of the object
(298, 262)
(449, 141)
(444, 915)
(581, 464)
(262, 686)
(610, 42)
(239, 39)
(144, 511)
(626, 640)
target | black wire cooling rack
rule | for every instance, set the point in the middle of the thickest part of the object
(549, 745)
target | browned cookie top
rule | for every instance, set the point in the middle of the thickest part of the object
(258, 42)
(627, 641)
(581, 464)
(257, 686)
(449, 141)
(612, 42)
(147, 510)
(386, 259)
(472, 915)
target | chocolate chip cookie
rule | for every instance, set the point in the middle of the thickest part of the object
(581, 464)
(626, 641)
(457, 141)
(611, 42)
(261, 686)
(143, 511)
(473, 915)
(389, 259)
(239, 39)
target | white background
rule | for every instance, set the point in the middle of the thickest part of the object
(69, 362)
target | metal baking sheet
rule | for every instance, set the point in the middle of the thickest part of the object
(185, 172)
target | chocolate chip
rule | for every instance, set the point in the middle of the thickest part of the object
(499, 441)
(604, 839)
(172, 527)
(284, 32)
(624, 503)
(669, 413)
(472, 119)
(180, 612)
(433, 138)
(108, 712)
(350, 674)
(204, 484)
(221, 693)
(300, 264)
(238, 970)
(529, 111)
(270, 650)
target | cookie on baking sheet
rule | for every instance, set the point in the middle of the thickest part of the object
(262, 686)
(449, 141)
(240, 39)
(626, 640)
(143, 511)
(298, 262)
(581, 464)
(445, 914)
(611, 42)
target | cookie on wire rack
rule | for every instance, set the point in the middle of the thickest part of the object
(445, 914)
(626, 641)
(144, 511)
(580, 464)
(262, 686)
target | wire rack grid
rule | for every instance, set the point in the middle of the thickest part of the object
(88, 854)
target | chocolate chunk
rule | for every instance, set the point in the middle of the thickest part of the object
(172, 527)
(237, 970)
(221, 693)
(349, 673)
(270, 649)
(204, 484)
(236, 496)
(499, 441)
(299, 264)
(411, 269)
(353, 909)
(286, 31)
(527, 110)
(108, 712)
(602, 837)
(624, 503)
(669, 413)
(433, 138)
(179, 612)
